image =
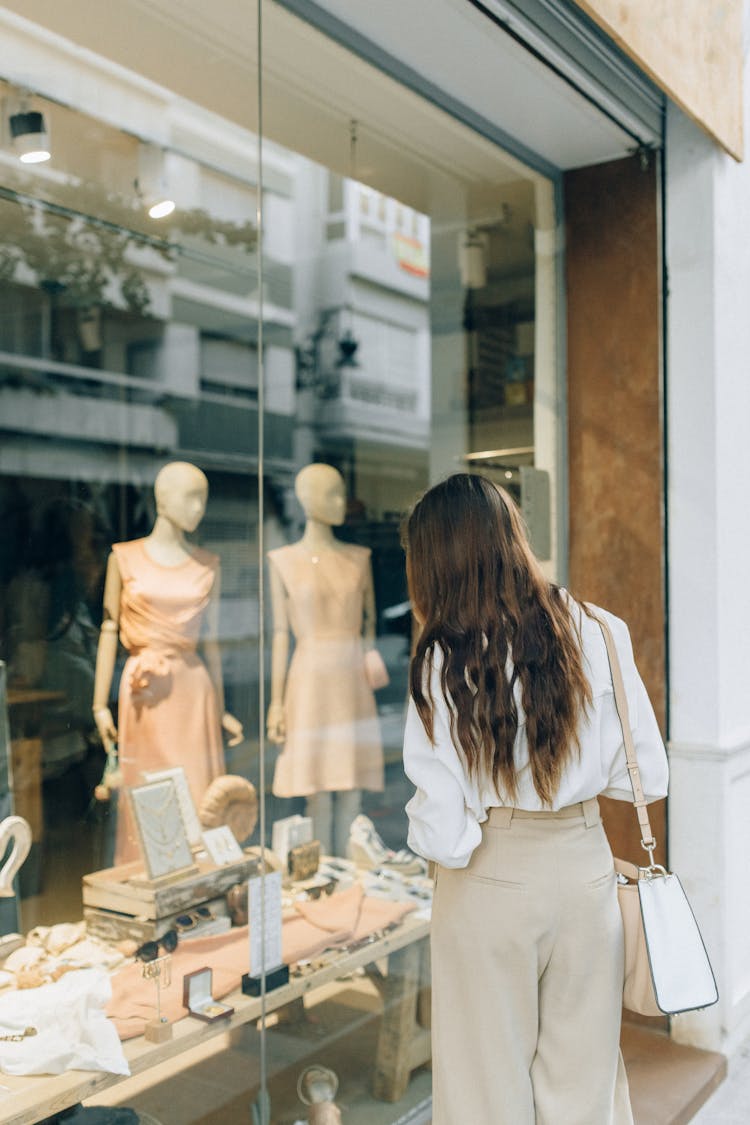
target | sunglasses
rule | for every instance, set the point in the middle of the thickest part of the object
(188, 921)
(149, 951)
(319, 889)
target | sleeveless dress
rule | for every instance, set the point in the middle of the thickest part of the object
(168, 713)
(332, 732)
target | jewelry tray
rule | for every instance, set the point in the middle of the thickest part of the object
(197, 997)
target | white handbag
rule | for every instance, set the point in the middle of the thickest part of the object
(667, 969)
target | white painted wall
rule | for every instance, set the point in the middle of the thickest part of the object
(708, 336)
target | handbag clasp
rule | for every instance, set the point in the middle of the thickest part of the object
(649, 846)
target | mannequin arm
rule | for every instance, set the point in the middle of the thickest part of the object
(275, 722)
(106, 654)
(212, 654)
(369, 616)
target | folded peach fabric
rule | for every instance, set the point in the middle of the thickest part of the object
(325, 924)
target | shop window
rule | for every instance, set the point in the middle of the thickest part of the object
(408, 333)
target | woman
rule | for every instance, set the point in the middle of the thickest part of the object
(511, 735)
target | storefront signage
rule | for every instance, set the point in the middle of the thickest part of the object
(411, 255)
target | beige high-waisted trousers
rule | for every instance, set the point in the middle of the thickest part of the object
(527, 971)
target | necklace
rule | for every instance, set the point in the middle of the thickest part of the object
(18, 1036)
(162, 829)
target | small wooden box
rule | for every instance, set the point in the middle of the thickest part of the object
(119, 902)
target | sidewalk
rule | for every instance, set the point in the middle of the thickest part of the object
(730, 1105)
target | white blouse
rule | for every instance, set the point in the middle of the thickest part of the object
(448, 807)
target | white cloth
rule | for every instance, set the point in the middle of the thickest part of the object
(448, 807)
(73, 1033)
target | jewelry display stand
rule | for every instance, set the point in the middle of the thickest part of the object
(158, 1030)
(161, 828)
(264, 923)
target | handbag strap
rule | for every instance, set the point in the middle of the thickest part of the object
(621, 703)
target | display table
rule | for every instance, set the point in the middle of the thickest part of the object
(403, 1041)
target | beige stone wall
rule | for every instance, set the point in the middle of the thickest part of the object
(692, 49)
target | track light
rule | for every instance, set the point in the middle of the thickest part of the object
(472, 263)
(28, 131)
(153, 182)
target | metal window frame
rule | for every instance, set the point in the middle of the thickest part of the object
(563, 38)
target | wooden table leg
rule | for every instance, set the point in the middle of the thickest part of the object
(402, 1043)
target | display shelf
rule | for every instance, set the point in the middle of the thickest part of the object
(30, 1099)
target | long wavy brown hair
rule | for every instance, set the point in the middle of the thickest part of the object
(482, 599)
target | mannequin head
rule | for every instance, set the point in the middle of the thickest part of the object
(321, 491)
(181, 492)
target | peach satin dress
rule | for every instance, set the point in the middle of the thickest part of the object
(168, 711)
(332, 731)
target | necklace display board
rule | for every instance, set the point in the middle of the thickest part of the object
(119, 902)
(161, 828)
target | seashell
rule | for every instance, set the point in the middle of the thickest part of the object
(233, 800)
(31, 977)
(62, 935)
(24, 958)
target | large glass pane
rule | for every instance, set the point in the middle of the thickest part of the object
(405, 328)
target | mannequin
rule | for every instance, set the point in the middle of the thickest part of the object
(322, 708)
(161, 597)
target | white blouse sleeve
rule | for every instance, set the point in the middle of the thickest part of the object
(649, 745)
(444, 813)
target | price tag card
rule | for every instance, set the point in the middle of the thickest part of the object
(264, 918)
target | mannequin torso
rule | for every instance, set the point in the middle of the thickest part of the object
(322, 707)
(161, 599)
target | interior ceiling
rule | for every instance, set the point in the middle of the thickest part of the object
(313, 88)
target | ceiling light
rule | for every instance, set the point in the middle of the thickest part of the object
(153, 183)
(161, 208)
(29, 135)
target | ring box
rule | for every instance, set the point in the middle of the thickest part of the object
(197, 997)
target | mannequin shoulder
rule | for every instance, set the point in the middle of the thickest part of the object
(206, 558)
(360, 555)
(127, 555)
(282, 557)
(277, 554)
(127, 548)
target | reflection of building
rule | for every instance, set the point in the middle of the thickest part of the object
(173, 381)
(364, 275)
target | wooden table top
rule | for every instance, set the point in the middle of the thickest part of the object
(24, 1101)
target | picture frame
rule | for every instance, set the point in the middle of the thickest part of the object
(161, 829)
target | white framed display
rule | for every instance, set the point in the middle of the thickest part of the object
(222, 846)
(185, 798)
(162, 832)
(288, 833)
